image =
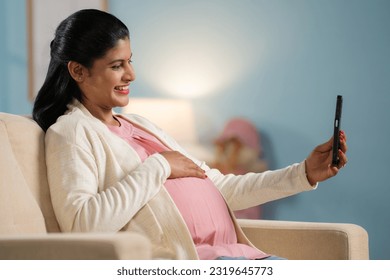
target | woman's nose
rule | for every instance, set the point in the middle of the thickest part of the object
(129, 74)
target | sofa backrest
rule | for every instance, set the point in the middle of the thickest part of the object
(25, 205)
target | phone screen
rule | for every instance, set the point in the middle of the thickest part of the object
(336, 131)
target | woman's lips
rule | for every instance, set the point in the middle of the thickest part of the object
(122, 89)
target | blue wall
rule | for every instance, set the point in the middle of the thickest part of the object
(303, 53)
(285, 62)
(13, 57)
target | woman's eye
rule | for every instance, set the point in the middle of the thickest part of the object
(116, 67)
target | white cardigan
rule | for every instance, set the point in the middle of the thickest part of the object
(99, 184)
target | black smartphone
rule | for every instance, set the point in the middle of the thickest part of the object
(336, 131)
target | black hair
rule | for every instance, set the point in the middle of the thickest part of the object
(83, 37)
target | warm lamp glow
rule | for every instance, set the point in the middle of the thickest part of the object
(175, 117)
(188, 75)
(195, 67)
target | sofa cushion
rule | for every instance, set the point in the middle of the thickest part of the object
(25, 205)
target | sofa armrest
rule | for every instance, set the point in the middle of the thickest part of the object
(307, 240)
(75, 246)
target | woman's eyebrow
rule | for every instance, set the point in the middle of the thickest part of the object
(120, 60)
(116, 60)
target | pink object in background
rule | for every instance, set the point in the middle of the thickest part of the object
(244, 131)
(238, 151)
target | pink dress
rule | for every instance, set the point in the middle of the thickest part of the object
(200, 203)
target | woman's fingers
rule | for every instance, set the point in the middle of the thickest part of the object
(181, 166)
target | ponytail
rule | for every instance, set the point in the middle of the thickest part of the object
(55, 94)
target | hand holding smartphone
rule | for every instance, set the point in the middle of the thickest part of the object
(336, 131)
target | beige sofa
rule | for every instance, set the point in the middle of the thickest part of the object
(29, 230)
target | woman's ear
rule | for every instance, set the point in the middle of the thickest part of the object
(77, 71)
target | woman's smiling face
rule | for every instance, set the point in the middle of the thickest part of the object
(106, 84)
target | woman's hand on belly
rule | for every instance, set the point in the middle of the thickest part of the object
(181, 166)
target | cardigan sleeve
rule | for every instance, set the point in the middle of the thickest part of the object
(74, 177)
(244, 191)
